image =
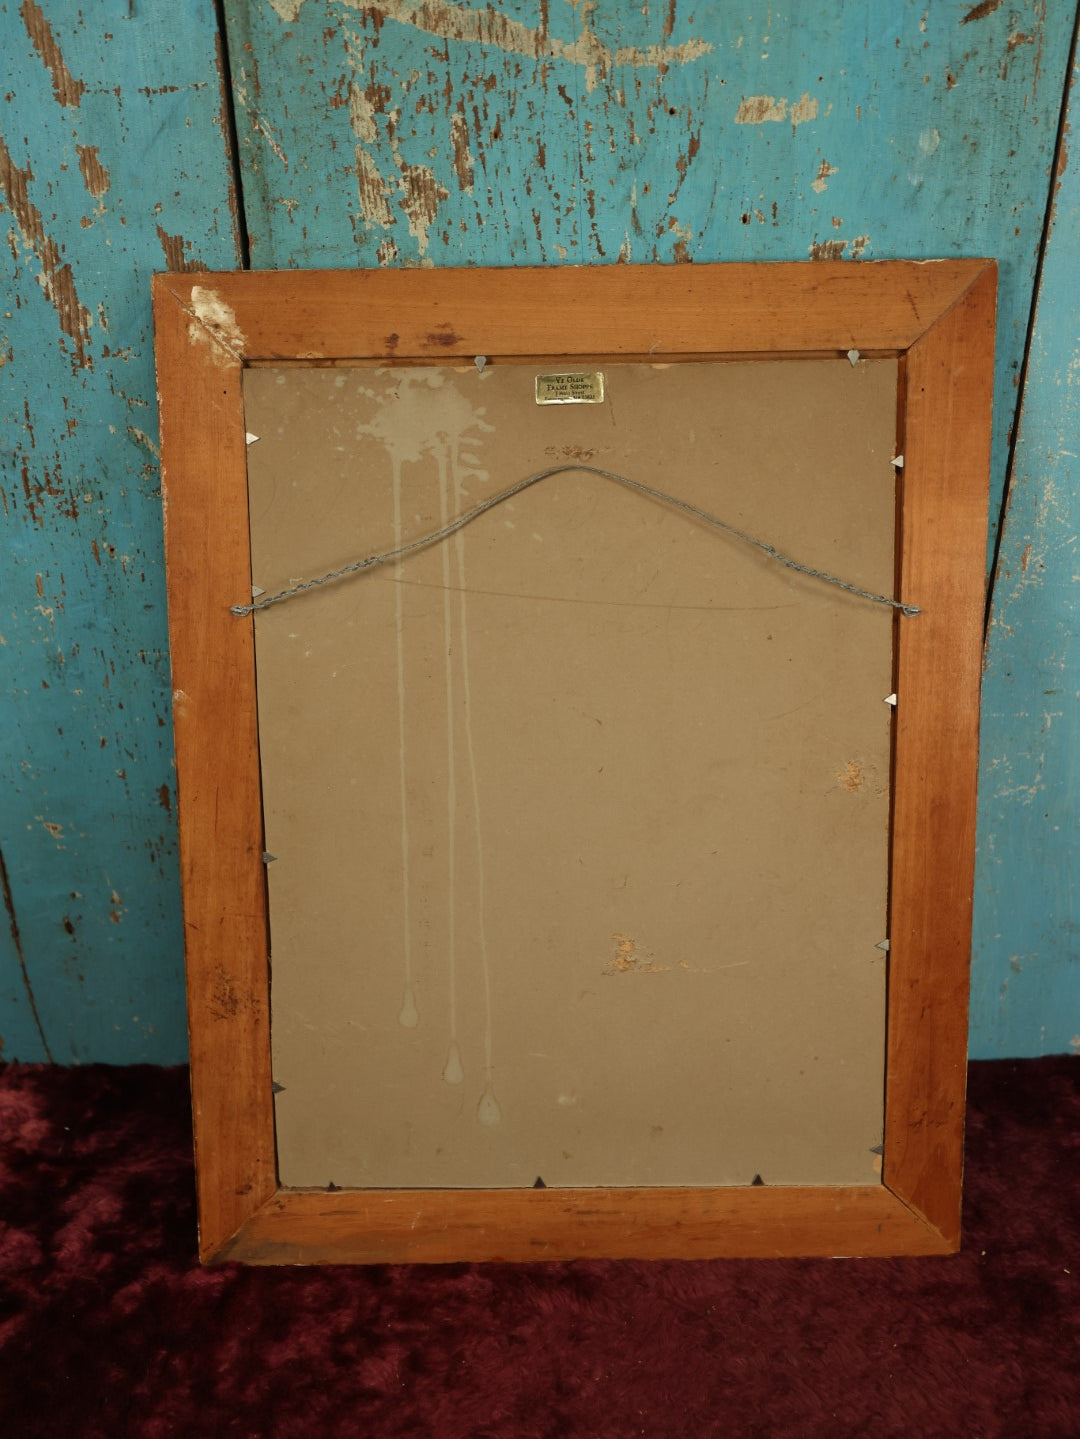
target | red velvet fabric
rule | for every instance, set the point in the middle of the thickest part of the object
(109, 1328)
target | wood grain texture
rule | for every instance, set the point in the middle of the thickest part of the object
(947, 387)
(706, 310)
(207, 330)
(214, 718)
(436, 1227)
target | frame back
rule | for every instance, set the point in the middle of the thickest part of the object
(931, 325)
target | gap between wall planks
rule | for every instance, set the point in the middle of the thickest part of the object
(938, 317)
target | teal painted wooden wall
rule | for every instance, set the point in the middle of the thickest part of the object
(112, 166)
(420, 132)
(1026, 995)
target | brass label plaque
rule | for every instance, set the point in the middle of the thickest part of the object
(573, 388)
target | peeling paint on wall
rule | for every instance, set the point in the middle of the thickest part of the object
(586, 134)
(374, 205)
(66, 89)
(95, 176)
(111, 146)
(56, 279)
(422, 196)
(839, 249)
(408, 132)
(175, 249)
(761, 109)
(487, 26)
(463, 160)
(1026, 942)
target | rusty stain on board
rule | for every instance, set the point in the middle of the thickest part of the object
(444, 336)
(66, 88)
(57, 280)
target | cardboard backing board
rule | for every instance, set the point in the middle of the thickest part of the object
(581, 816)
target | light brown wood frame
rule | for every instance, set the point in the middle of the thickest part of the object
(938, 319)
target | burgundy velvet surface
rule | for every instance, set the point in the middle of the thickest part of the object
(108, 1327)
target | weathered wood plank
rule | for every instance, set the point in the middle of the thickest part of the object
(393, 133)
(112, 164)
(1027, 930)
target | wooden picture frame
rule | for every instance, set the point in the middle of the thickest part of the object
(937, 318)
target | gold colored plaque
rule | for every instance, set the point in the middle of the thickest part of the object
(574, 388)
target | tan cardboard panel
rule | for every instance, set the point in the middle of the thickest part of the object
(581, 816)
